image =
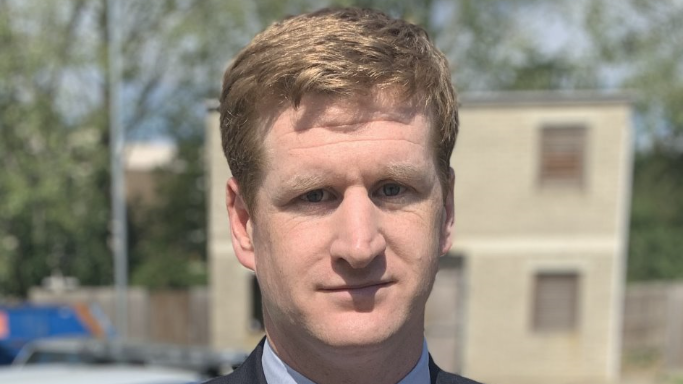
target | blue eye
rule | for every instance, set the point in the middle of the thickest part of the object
(392, 189)
(314, 196)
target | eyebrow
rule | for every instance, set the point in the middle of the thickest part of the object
(303, 183)
(404, 172)
(400, 172)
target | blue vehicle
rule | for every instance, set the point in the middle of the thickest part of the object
(25, 323)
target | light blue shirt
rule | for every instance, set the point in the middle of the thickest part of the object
(277, 372)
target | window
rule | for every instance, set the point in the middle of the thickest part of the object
(563, 155)
(256, 306)
(556, 302)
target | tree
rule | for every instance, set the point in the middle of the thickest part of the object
(641, 42)
(53, 171)
(53, 120)
(656, 244)
(53, 111)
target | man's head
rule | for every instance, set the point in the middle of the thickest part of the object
(333, 52)
(338, 127)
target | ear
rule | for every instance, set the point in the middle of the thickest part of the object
(449, 216)
(240, 225)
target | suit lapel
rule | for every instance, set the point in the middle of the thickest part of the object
(437, 376)
(251, 371)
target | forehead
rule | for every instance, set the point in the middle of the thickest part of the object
(329, 138)
(326, 111)
(337, 115)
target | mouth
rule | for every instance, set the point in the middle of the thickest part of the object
(369, 287)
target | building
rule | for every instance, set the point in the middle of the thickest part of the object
(141, 160)
(532, 289)
(542, 197)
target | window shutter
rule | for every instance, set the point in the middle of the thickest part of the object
(563, 155)
(556, 302)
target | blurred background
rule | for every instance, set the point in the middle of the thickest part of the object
(56, 231)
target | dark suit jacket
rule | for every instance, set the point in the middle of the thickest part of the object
(251, 372)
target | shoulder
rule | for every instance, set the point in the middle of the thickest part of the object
(439, 376)
(250, 372)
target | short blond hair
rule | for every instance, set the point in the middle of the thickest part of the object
(338, 52)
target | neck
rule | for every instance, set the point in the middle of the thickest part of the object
(386, 363)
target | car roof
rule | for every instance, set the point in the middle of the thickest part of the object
(100, 374)
(88, 350)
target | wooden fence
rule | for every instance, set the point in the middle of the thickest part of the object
(653, 323)
(177, 317)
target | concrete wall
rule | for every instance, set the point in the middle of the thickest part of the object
(510, 227)
(497, 161)
(502, 346)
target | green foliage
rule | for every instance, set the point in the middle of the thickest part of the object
(173, 271)
(53, 182)
(169, 241)
(656, 242)
(641, 41)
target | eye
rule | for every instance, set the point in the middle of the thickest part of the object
(392, 189)
(315, 196)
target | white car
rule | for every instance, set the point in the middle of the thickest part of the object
(65, 351)
(100, 374)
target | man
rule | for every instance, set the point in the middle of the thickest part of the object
(338, 127)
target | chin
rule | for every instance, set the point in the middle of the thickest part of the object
(359, 330)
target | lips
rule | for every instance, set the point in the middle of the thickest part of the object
(360, 287)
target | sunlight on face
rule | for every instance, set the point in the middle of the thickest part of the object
(350, 222)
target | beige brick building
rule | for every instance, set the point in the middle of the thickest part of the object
(532, 290)
(141, 160)
(542, 197)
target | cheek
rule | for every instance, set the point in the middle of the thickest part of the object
(286, 252)
(417, 232)
(416, 244)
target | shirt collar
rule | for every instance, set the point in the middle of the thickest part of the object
(278, 372)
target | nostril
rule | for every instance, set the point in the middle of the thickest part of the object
(358, 237)
(360, 253)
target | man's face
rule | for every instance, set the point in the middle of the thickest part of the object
(349, 222)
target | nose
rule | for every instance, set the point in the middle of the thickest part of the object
(358, 239)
